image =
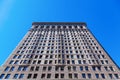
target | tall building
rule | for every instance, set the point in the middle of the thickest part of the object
(59, 51)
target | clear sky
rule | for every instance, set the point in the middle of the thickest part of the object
(102, 18)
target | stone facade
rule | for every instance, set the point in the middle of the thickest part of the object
(59, 51)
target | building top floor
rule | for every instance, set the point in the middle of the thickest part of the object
(60, 25)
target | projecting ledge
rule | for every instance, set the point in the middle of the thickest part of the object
(59, 23)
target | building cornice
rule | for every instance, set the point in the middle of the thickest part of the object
(59, 23)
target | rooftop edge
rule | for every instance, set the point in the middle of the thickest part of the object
(59, 23)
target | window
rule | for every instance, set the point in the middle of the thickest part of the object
(48, 75)
(14, 56)
(106, 68)
(56, 75)
(1, 76)
(94, 68)
(44, 68)
(99, 68)
(81, 68)
(103, 56)
(37, 68)
(70, 75)
(110, 75)
(72, 56)
(12, 68)
(21, 76)
(51, 56)
(79, 61)
(68, 61)
(34, 62)
(16, 62)
(67, 56)
(19, 56)
(7, 68)
(97, 76)
(74, 68)
(45, 62)
(50, 62)
(56, 68)
(7, 76)
(39, 61)
(49, 68)
(59, 61)
(36, 27)
(11, 62)
(46, 56)
(106, 61)
(69, 68)
(20, 68)
(116, 76)
(89, 75)
(82, 56)
(103, 76)
(25, 68)
(111, 68)
(32, 68)
(36, 56)
(86, 68)
(84, 62)
(29, 76)
(18, 51)
(15, 76)
(62, 68)
(43, 76)
(25, 61)
(62, 75)
(78, 56)
(73, 62)
(102, 61)
(75, 75)
(35, 76)
(83, 75)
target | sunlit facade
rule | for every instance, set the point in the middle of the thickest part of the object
(59, 51)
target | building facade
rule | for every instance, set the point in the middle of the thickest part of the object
(59, 51)
(1, 69)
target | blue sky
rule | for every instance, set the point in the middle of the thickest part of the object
(102, 18)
